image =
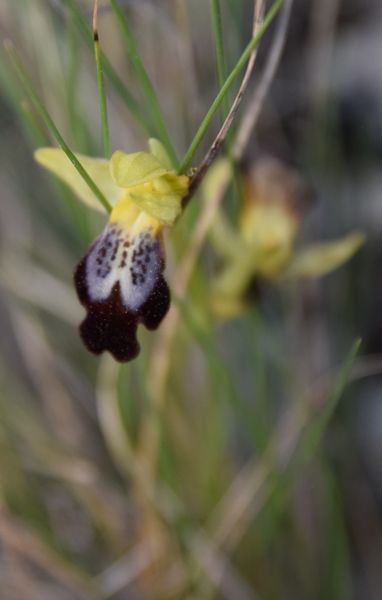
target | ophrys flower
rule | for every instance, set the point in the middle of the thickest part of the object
(120, 279)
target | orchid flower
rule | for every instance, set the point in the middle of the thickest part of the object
(120, 279)
(264, 244)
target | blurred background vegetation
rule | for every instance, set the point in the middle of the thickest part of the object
(242, 458)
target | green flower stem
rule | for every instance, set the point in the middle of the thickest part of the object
(315, 432)
(101, 87)
(114, 79)
(34, 127)
(73, 71)
(219, 50)
(144, 81)
(227, 84)
(35, 100)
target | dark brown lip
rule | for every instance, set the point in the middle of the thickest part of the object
(109, 326)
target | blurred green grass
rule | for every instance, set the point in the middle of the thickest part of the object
(261, 466)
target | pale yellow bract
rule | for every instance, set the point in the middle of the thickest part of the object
(144, 179)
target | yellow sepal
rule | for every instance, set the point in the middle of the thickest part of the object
(320, 259)
(161, 198)
(271, 225)
(160, 153)
(128, 170)
(56, 161)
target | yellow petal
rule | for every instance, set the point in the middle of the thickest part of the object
(56, 161)
(272, 193)
(161, 198)
(320, 259)
(129, 170)
(130, 217)
(166, 212)
(270, 226)
(160, 153)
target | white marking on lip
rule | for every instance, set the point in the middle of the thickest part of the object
(135, 263)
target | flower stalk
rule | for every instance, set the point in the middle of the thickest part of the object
(101, 85)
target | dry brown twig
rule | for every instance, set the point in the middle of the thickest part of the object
(256, 103)
(258, 13)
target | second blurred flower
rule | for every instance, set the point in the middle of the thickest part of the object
(263, 245)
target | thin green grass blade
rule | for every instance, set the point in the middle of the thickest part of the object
(11, 90)
(280, 481)
(337, 582)
(39, 107)
(144, 82)
(221, 73)
(220, 377)
(33, 129)
(82, 137)
(37, 136)
(261, 418)
(120, 88)
(316, 430)
(219, 50)
(236, 12)
(72, 74)
(186, 162)
(101, 87)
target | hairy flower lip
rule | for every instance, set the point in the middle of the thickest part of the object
(120, 279)
(109, 325)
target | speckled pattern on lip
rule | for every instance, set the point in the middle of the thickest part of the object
(120, 283)
(132, 259)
